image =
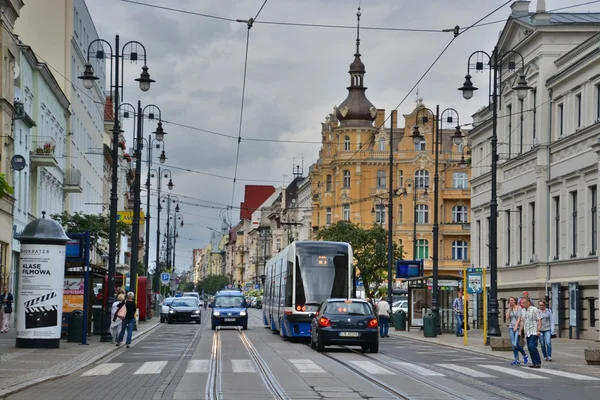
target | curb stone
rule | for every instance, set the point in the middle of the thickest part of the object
(71, 366)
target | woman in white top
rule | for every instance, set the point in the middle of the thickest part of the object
(115, 325)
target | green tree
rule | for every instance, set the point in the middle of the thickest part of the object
(186, 286)
(369, 247)
(212, 284)
(5, 187)
(97, 224)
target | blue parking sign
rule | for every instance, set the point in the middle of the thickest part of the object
(165, 278)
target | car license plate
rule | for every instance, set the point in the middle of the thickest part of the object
(229, 319)
(349, 334)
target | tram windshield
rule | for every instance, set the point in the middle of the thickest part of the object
(322, 272)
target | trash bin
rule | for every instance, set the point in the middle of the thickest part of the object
(75, 327)
(429, 325)
(400, 318)
(97, 318)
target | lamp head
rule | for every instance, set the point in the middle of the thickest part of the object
(468, 88)
(88, 76)
(159, 133)
(170, 185)
(416, 135)
(457, 137)
(144, 79)
(163, 157)
(522, 88)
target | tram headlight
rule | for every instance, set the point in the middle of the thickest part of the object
(243, 313)
(216, 313)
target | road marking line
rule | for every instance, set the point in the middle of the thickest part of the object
(307, 366)
(568, 375)
(437, 351)
(242, 366)
(371, 368)
(197, 367)
(417, 368)
(151, 367)
(102, 369)
(467, 371)
(512, 371)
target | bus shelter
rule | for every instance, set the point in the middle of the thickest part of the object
(419, 300)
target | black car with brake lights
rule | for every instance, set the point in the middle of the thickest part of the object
(345, 322)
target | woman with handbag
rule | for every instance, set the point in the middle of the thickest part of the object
(126, 312)
(115, 325)
(6, 299)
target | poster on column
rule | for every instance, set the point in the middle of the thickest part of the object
(40, 296)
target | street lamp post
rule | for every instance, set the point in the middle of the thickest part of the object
(117, 53)
(150, 141)
(158, 209)
(137, 188)
(496, 60)
(176, 218)
(456, 139)
(391, 211)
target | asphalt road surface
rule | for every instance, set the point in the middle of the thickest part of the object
(189, 361)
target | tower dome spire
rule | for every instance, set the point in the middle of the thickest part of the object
(356, 110)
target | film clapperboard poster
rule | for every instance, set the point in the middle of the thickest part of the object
(41, 281)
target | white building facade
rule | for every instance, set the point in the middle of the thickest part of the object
(547, 168)
(68, 30)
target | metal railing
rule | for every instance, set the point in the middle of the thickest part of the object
(72, 177)
(43, 146)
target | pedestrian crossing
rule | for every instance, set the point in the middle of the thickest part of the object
(308, 366)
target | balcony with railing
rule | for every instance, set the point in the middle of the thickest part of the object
(42, 154)
(72, 182)
(455, 228)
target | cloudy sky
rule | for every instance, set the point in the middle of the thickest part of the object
(295, 75)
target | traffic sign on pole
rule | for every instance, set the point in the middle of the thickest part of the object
(165, 278)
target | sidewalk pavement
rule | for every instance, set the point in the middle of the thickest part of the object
(22, 368)
(565, 352)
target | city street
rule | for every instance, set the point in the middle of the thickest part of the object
(188, 361)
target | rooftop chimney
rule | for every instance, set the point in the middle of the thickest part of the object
(380, 117)
(541, 15)
(395, 118)
(519, 8)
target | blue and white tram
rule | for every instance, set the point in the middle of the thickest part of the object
(299, 278)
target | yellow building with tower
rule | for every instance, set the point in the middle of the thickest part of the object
(350, 180)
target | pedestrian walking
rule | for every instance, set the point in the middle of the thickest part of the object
(115, 325)
(458, 308)
(129, 320)
(384, 313)
(512, 315)
(6, 299)
(531, 324)
(546, 330)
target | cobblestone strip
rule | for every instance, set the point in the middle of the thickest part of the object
(81, 361)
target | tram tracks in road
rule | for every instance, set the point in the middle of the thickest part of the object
(214, 383)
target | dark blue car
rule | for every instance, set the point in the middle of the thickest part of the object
(229, 309)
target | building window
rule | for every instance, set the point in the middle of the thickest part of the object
(509, 116)
(401, 178)
(328, 183)
(346, 208)
(578, 109)
(422, 179)
(507, 237)
(347, 143)
(459, 214)
(421, 146)
(400, 213)
(574, 222)
(556, 227)
(380, 214)
(422, 249)
(534, 108)
(459, 250)
(561, 119)
(346, 179)
(380, 179)
(328, 216)
(594, 219)
(460, 180)
(381, 144)
(532, 211)
(422, 214)
(520, 234)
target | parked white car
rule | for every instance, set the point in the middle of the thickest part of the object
(400, 305)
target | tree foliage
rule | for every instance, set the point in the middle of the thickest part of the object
(5, 187)
(212, 284)
(97, 224)
(370, 250)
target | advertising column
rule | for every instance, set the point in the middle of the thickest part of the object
(41, 282)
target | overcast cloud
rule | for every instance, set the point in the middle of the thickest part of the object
(295, 76)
